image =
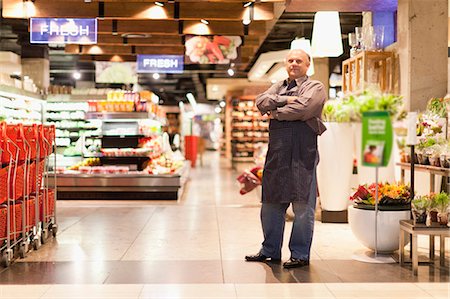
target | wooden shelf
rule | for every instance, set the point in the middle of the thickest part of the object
(368, 67)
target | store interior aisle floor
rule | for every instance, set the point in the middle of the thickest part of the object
(195, 248)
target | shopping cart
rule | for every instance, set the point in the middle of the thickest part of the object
(14, 155)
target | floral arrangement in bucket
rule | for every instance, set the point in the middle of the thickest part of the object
(390, 197)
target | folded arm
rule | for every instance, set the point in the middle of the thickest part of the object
(305, 106)
(270, 100)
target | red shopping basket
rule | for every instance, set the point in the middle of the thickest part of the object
(30, 209)
(3, 144)
(31, 134)
(3, 184)
(15, 135)
(47, 198)
(15, 209)
(17, 180)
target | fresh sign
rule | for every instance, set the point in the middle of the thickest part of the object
(63, 31)
(160, 64)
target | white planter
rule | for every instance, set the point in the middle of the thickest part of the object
(362, 223)
(335, 167)
(366, 175)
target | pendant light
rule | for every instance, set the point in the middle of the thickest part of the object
(326, 35)
(305, 45)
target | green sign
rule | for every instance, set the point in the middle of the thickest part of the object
(377, 138)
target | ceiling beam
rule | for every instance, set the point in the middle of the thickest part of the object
(156, 40)
(340, 5)
(124, 50)
(138, 10)
(132, 58)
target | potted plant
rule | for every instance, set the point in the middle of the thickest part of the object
(394, 205)
(441, 203)
(420, 206)
(390, 196)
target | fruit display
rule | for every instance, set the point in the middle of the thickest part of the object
(164, 165)
(86, 162)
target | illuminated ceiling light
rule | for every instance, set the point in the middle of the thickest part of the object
(217, 110)
(222, 104)
(326, 35)
(273, 81)
(95, 50)
(215, 88)
(116, 58)
(159, 3)
(230, 72)
(204, 21)
(76, 75)
(305, 45)
(87, 1)
(155, 76)
(197, 29)
(29, 10)
(153, 12)
(248, 17)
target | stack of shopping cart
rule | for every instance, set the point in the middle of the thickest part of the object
(27, 205)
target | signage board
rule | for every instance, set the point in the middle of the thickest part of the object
(63, 31)
(377, 138)
(164, 64)
(215, 49)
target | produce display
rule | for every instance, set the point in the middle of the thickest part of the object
(164, 165)
(86, 162)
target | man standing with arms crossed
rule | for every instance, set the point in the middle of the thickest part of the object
(295, 107)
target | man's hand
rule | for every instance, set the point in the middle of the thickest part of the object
(290, 100)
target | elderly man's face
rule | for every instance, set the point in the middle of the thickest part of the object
(297, 64)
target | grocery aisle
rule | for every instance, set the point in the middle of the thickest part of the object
(195, 248)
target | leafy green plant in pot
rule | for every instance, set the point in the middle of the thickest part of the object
(441, 202)
(420, 206)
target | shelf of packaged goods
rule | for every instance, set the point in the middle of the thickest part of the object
(117, 115)
(243, 159)
(245, 149)
(244, 118)
(76, 128)
(124, 186)
(61, 118)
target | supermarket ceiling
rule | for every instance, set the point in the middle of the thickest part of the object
(128, 28)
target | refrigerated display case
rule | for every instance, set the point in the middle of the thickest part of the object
(123, 167)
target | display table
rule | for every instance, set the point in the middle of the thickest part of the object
(120, 186)
(432, 170)
(408, 227)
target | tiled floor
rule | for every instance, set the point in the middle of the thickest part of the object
(195, 247)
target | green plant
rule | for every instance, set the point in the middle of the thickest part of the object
(441, 202)
(421, 203)
(438, 106)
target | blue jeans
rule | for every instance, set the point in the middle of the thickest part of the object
(273, 219)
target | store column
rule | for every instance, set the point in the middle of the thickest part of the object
(36, 65)
(422, 49)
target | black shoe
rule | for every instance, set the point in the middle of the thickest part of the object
(295, 263)
(259, 257)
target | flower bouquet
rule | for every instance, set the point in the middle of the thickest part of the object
(390, 197)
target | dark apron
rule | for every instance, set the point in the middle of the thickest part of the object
(290, 162)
